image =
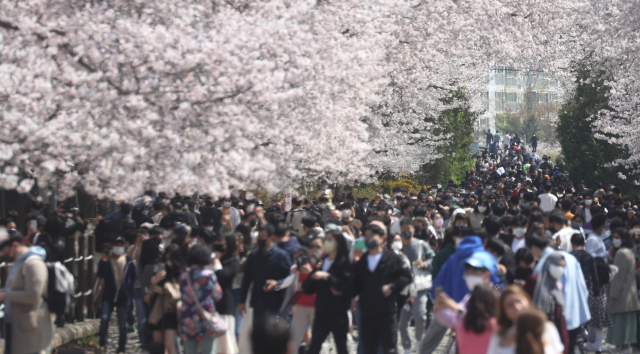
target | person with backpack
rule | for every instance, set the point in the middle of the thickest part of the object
(596, 275)
(28, 325)
(119, 275)
(294, 217)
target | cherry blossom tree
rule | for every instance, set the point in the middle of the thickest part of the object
(121, 96)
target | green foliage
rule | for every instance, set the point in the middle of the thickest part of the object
(586, 156)
(457, 124)
(88, 340)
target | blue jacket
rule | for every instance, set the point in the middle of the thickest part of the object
(576, 305)
(450, 275)
(118, 296)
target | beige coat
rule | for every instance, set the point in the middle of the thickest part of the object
(32, 328)
(623, 296)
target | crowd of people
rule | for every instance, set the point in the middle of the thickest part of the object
(516, 258)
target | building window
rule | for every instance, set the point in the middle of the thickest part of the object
(511, 78)
(499, 77)
(512, 100)
(499, 99)
(485, 100)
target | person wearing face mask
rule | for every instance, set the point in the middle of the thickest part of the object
(226, 266)
(623, 296)
(420, 256)
(266, 262)
(346, 214)
(331, 282)
(595, 241)
(379, 276)
(481, 210)
(477, 272)
(230, 217)
(598, 303)
(574, 288)
(28, 325)
(451, 280)
(436, 226)
(585, 211)
(119, 276)
(517, 238)
(546, 294)
(406, 210)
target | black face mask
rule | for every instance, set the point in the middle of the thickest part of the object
(253, 223)
(371, 243)
(407, 235)
(262, 243)
(220, 248)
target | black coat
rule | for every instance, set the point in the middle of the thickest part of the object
(230, 267)
(390, 271)
(588, 265)
(340, 279)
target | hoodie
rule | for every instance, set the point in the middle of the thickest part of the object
(450, 275)
(33, 251)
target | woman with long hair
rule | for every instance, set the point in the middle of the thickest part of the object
(330, 281)
(623, 295)
(536, 335)
(165, 284)
(547, 295)
(479, 212)
(512, 301)
(226, 266)
(474, 333)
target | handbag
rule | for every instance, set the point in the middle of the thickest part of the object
(421, 278)
(211, 321)
(167, 302)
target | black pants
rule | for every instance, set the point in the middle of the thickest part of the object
(534, 148)
(379, 330)
(325, 322)
(573, 338)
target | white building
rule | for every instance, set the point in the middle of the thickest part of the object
(507, 89)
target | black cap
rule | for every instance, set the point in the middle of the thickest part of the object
(120, 239)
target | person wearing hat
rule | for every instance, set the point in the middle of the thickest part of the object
(28, 325)
(120, 277)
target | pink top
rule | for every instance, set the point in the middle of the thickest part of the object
(469, 342)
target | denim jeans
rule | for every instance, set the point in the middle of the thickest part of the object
(105, 317)
(207, 346)
(236, 296)
(141, 313)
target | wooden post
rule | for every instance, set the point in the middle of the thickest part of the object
(90, 275)
(81, 279)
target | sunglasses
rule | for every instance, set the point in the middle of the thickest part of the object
(315, 246)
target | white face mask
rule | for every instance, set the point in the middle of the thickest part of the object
(166, 233)
(556, 271)
(193, 241)
(226, 204)
(588, 202)
(345, 213)
(396, 245)
(636, 231)
(329, 246)
(519, 231)
(482, 209)
(434, 191)
(439, 222)
(521, 195)
(322, 205)
(118, 250)
(616, 242)
(473, 281)
(210, 228)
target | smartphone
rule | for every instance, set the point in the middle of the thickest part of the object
(33, 225)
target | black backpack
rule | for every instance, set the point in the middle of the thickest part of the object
(603, 271)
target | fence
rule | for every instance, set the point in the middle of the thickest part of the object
(81, 263)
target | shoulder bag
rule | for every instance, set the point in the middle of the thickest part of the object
(210, 321)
